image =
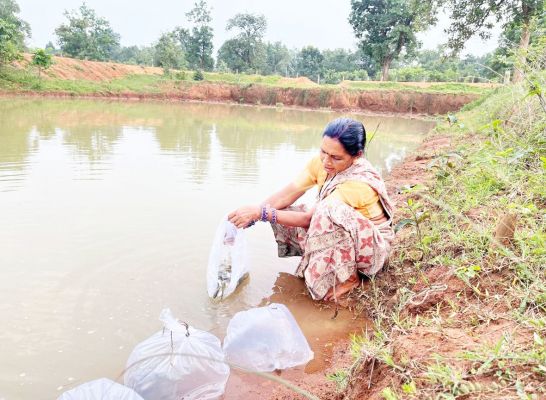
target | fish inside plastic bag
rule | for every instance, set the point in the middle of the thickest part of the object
(100, 389)
(178, 362)
(265, 339)
(228, 260)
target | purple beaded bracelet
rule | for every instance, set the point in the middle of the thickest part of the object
(264, 215)
(273, 216)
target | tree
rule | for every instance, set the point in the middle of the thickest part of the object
(277, 58)
(471, 17)
(246, 51)
(139, 55)
(310, 62)
(339, 60)
(168, 53)
(87, 36)
(13, 31)
(42, 60)
(8, 42)
(388, 27)
(198, 44)
(50, 48)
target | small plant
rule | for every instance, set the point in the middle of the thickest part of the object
(389, 394)
(340, 378)
(445, 164)
(180, 75)
(198, 75)
(467, 273)
(418, 216)
(42, 60)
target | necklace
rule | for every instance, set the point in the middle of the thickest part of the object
(325, 185)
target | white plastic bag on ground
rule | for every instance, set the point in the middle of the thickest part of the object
(100, 389)
(265, 339)
(172, 376)
(228, 261)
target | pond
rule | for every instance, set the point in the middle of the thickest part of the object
(108, 210)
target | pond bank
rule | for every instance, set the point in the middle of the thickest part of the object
(459, 312)
(376, 101)
(69, 77)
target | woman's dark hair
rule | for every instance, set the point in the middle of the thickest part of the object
(350, 133)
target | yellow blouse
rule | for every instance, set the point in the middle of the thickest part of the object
(358, 195)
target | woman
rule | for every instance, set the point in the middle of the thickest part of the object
(348, 231)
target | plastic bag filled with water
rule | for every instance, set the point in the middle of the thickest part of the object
(265, 339)
(100, 389)
(178, 362)
(228, 261)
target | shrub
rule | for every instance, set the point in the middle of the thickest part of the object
(198, 75)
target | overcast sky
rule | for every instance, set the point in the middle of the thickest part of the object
(296, 23)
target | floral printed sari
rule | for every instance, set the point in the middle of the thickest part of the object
(340, 241)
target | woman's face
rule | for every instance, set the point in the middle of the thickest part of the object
(333, 156)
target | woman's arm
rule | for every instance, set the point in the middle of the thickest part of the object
(283, 198)
(294, 218)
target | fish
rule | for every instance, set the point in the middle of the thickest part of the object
(224, 272)
(225, 267)
(224, 275)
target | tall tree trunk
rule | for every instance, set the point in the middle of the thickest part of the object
(385, 69)
(523, 44)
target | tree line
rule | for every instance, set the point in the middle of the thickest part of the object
(386, 30)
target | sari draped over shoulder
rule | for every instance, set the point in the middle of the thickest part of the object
(340, 241)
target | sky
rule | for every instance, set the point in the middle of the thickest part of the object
(296, 23)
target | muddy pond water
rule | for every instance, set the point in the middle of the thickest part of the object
(107, 214)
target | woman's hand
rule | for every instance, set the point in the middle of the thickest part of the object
(243, 216)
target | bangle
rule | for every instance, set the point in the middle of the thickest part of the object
(273, 216)
(264, 214)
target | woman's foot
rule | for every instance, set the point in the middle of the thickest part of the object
(342, 288)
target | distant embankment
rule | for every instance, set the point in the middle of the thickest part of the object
(391, 101)
(105, 79)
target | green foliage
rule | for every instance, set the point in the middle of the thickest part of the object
(246, 51)
(340, 378)
(137, 55)
(471, 17)
(385, 29)
(198, 75)
(197, 44)
(310, 62)
(8, 44)
(13, 31)
(42, 60)
(180, 75)
(388, 394)
(87, 36)
(418, 216)
(277, 58)
(168, 53)
(8, 14)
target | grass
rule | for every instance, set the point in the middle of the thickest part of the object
(23, 80)
(26, 80)
(447, 87)
(495, 167)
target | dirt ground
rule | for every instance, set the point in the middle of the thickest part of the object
(73, 69)
(310, 95)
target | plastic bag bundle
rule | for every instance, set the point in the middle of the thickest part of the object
(228, 261)
(100, 389)
(174, 375)
(265, 339)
